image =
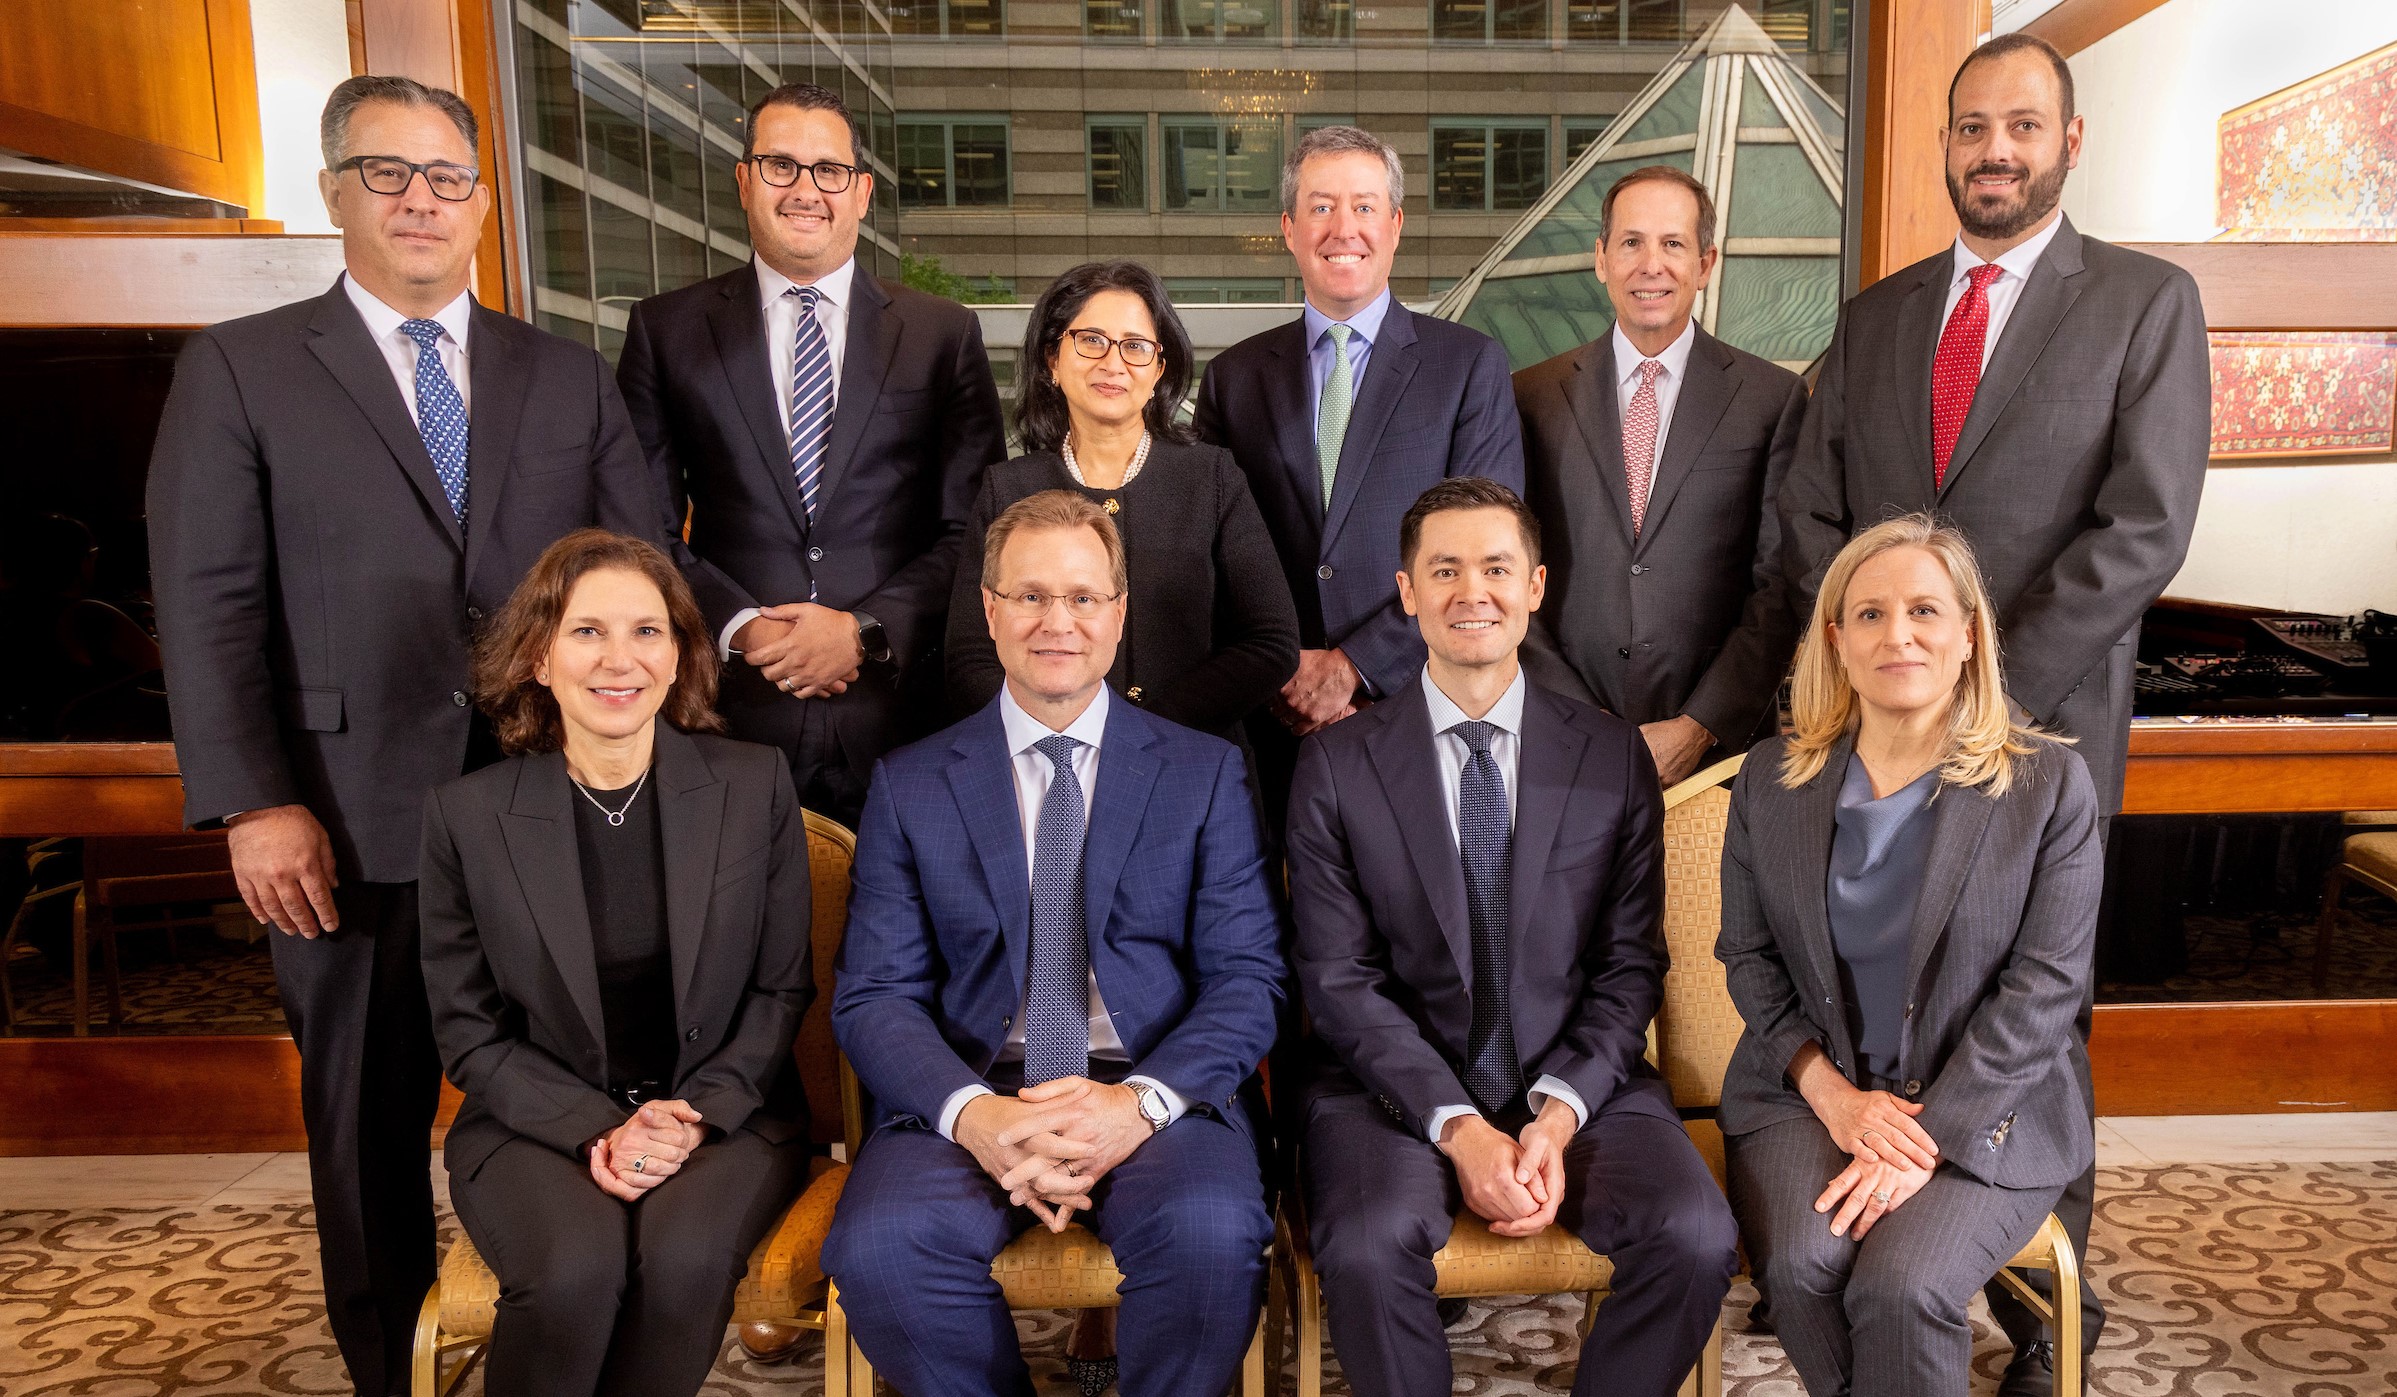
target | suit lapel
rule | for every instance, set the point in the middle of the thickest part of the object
(1288, 394)
(691, 817)
(1127, 773)
(1706, 391)
(496, 370)
(539, 829)
(739, 330)
(2054, 285)
(1403, 757)
(1547, 765)
(1803, 870)
(984, 783)
(872, 340)
(1591, 395)
(1959, 817)
(343, 346)
(1388, 371)
(1919, 323)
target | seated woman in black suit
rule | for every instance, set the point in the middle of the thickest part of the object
(1212, 633)
(616, 947)
(1910, 891)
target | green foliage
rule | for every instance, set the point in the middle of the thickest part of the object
(924, 272)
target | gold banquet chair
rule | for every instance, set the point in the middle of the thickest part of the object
(785, 1285)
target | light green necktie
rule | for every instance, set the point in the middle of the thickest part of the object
(1331, 415)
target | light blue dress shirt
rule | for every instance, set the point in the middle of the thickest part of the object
(1365, 327)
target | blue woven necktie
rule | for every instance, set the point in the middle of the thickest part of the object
(1057, 991)
(440, 415)
(811, 400)
(1486, 839)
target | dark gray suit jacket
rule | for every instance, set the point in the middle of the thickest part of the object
(514, 980)
(315, 600)
(2004, 931)
(1384, 951)
(2076, 475)
(916, 420)
(1689, 618)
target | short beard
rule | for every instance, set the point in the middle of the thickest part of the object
(2041, 191)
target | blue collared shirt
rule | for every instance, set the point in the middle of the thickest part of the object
(1367, 325)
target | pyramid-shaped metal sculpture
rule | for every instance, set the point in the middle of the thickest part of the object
(1734, 111)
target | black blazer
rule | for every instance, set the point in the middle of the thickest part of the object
(1434, 402)
(2004, 933)
(315, 600)
(514, 983)
(1210, 635)
(1692, 617)
(917, 420)
(1385, 945)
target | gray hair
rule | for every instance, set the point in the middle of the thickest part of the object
(1340, 140)
(334, 131)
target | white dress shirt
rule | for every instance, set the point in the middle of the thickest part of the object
(1506, 749)
(780, 309)
(383, 327)
(1676, 361)
(1033, 771)
(2003, 292)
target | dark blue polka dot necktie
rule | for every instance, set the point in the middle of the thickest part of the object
(440, 415)
(1485, 840)
(1057, 988)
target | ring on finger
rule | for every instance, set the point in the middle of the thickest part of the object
(641, 1165)
(1881, 1196)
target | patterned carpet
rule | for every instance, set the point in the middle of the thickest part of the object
(2223, 1281)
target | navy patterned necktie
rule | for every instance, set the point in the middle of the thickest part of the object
(440, 415)
(811, 400)
(1485, 840)
(1057, 990)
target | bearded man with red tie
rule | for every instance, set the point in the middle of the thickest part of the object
(2048, 394)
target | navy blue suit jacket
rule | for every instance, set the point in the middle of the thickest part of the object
(1185, 937)
(1436, 401)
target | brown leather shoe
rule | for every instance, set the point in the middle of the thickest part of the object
(772, 1343)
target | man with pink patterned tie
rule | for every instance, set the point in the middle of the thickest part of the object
(2048, 394)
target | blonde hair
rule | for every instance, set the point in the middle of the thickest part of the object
(1054, 509)
(1984, 737)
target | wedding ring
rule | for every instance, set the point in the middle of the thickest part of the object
(1881, 1197)
(785, 683)
(641, 1165)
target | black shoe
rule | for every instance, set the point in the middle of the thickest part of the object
(1091, 1375)
(2032, 1373)
(1452, 1313)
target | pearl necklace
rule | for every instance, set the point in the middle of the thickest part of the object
(1140, 457)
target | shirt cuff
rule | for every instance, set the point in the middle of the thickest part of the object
(956, 1103)
(1438, 1120)
(724, 642)
(1552, 1085)
(1175, 1106)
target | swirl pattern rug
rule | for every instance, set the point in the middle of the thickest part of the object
(2271, 1280)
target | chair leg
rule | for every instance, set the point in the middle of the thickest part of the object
(2332, 886)
(836, 1344)
(1252, 1367)
(424, 1364)
(1710, 1363)
(2066, 1290)
(1306, 1300)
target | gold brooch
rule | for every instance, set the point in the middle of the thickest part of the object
(1112, 507)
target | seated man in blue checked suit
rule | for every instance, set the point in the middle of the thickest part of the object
(1062, 962)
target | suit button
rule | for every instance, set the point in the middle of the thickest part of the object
(815, 555)
(1133, 693)
(1638, 568)
(691, 1037)
(1324, 572)
(1914, 1088)
(474, 613)
(1624, 652)
(458, 697)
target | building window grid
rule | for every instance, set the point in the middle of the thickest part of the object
(1222, 21)
(1220, 164)
(1115, 162)
(1488, 164)
(954, 162)
(950, 19)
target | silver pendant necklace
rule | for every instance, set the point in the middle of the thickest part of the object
(616, 816)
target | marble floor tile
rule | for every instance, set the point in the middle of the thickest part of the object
(2321, 1137)
(120, 1180)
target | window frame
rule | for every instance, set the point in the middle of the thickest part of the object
(1488, 127)
(1220, 123)
(947, 123)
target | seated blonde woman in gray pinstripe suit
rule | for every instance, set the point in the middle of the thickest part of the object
(1910, 890)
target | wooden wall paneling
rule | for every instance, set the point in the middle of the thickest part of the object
(157, 279)
(2290, 286)
(163, 93)
(2231, 1059)
(1911, 52)
(448, 43)
(2076, 24)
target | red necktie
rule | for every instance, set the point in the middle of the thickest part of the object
(1956, 371)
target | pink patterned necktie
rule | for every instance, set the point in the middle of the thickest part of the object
(1639, 441)
(1956, 370)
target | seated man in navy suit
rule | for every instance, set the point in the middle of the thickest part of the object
(1053, 1025)
(1477, 870)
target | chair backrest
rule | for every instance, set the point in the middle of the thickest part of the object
(831, 848)
(1698, 1025)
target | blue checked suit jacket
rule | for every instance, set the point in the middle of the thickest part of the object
(1185, 937)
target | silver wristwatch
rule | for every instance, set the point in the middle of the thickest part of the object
(1152, 1106)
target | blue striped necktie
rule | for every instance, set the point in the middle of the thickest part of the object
(811, 400)
(1057, 988)
(440, 415)
(1485, 839)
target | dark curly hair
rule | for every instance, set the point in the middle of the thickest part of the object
(524, 714)
(1041, 418)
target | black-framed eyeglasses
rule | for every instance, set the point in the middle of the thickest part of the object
(781, 171)
(388, 174)
(1082, 606)
(1094, 344)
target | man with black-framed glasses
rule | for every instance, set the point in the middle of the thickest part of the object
(827, 432)
(342, 489)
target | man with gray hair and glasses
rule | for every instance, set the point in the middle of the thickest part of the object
(1340, 419)
(342, 489)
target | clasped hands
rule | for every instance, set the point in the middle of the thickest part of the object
(806, 650)
(1514, 1183)
(1322, 693)
(1893, 1155)
(1048, 1145)
(648, 1149)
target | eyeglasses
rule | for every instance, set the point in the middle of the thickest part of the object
(1092, 344)
(831, 176)
(1082, 606)
(388, 174)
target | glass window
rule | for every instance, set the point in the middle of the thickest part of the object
(1119, 178)
(954, 163)
(1654, 22)
(1223, 164)
(1488, 166)
(1327, 21)
(1111, 19)
(1224, 291)
(1218, 20)
(1489, 21)
(950, 19)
